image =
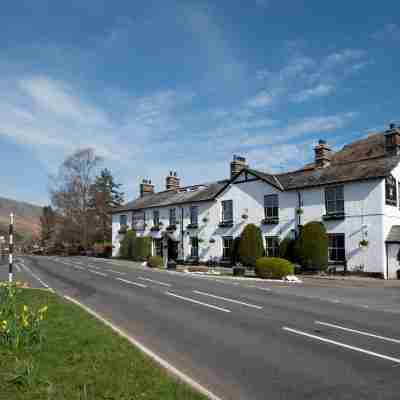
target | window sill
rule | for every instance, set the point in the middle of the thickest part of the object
(192, 226)
(225, 224)
(270, 221)
(391, 203)
(333, 217)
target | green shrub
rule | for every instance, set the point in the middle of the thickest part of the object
(311, 248)
(155, 262)
(128, 244)
(251, 245)
(273, 268)
(142, 248)
(235, 250)
(287, 249)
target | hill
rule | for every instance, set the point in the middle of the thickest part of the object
(27, 217)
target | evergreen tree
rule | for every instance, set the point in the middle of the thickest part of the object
(251, 245)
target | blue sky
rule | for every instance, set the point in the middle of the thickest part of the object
(184, 85)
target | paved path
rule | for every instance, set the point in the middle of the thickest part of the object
(245, 340)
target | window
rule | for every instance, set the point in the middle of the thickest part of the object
(227, 211)
(227, 247)
(334, 200)
(194, 250)
(336, 247)
(391, 192)
(271, 207)
(158, 247)
(272, 246)
(138, 220)
(156, 217)
(194, 215)
(123, 219)
(172, 216)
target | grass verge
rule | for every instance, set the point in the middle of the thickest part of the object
(84, 360)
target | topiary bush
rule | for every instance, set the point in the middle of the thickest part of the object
(311, 248)
(155, 262)
(287, 249)
(251, 245)
(142, 248)
(128, 244)
(273, 268)
(235, 250)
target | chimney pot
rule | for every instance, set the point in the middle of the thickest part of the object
(146, 188)
(323, 154)
(238, 163)
(172, 181)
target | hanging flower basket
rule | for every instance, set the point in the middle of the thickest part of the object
(363, 243)
(212, 240)
(205, 220)
(199, 240)
(245, 216)
(299, 211)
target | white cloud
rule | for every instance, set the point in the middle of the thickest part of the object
(262, 99)
(320, 90)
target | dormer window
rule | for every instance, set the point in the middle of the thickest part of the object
(391, 191)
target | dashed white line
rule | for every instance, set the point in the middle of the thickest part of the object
(388, 339)
(132, 283)
(116, 272)
(198, 302)
(97, 272)
(78, 267)
(154, 281)
(227, 299)
(340, 344)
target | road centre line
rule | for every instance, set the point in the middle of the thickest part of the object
(132, 283)
(198, 302)
(97, 272)
(388, 339)
(227, 299)
(340, 344)
(154, 281)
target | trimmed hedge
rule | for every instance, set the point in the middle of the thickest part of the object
(235, 250)
(128, 244)
(251, 245)
(142, 248)
(155, 262)
(312, 246)
(273, 268)
(287, 249)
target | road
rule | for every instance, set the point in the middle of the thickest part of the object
(247, 341)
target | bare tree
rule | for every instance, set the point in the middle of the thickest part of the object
(71, 191)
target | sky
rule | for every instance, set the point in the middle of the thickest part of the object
(155, 86)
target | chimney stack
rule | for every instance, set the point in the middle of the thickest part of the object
(172, 181)
(237, 164)
(323, 154)
(146, 188)
(392, 140)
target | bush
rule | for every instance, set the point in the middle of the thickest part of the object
(251, 245)
(127, 244)
(155, 262)
(287, 249)
(311, 248)
(235, 250)
(273, 268)
(142, 248)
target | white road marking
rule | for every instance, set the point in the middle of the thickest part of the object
(198, 302)
(388, 339)
(38, 279)
(78, 267)
(227, 299)
(97, 272)
(151, 280)
(263, 288)
(340, 344)
(116, 272)
(18, 268)
(132, 283)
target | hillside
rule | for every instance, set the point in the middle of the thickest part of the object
(27, 217)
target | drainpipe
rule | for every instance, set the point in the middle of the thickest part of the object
(299, 206)
(182, 236)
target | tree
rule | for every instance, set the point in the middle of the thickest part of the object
(47, 224)
(128, 245)
(71, 193)
(251, 245)
(105, 195)
(311, 248)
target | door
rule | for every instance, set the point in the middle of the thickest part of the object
(393, 250)
(172, 250)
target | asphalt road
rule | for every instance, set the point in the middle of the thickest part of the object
(244, 340)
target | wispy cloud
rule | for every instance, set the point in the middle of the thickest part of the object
(320, 90)
(260, 100)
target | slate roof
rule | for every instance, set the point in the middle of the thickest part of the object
(359, 160)
(394, 234)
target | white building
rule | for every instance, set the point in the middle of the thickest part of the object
(353, 192)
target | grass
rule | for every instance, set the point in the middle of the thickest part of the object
(82, 359)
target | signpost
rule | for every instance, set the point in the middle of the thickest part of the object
(11, 248)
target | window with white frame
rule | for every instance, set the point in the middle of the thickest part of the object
(123, 219)
(156, 217)
(272, 246)
(227, 247)
(194, 247)
(172, 216)
(391, 191)
(271, 207)
(227, 210)
(138, 220)
(334, 199)
(158, 247)
(194, 215)
(336, 247)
